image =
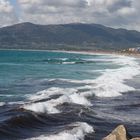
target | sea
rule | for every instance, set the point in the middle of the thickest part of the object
(48, 95)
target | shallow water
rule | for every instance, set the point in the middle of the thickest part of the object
(55, 95)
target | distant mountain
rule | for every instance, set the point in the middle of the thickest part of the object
(67, 37)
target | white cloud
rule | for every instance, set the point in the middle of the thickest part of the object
(7, 14)
(115, 13)
(108, 12)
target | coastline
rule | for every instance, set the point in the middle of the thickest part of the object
(85, 52)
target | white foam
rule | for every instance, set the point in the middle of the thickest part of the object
(63, 59)
(110, 84)
(68, 95)
(17, 102)
(2, 103)
(99, 60)
(68, 62)
(77, 133)
(44, 94)
(79, 99)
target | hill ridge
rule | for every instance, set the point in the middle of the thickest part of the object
(72, 36)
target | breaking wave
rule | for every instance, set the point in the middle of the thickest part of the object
(77, 132)
(62, 105)
(110, 84)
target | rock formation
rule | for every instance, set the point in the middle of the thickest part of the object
(119, 133)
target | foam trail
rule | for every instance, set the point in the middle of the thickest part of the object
(77, 133)
(110, 84)
(69, 96)
(49, 92)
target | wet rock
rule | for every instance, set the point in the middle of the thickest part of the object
(120, 133)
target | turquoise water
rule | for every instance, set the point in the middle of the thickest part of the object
(50, 95)
(27, 64)
(19, 67)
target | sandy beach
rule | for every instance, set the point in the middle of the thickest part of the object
(90, 52)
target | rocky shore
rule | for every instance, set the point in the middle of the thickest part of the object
(120, 133)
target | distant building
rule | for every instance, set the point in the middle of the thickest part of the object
(132, 50)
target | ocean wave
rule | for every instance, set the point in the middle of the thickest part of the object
(74, 60)
(110, 84)
(78, 132)
(112, 81)
(50, 92)
(67, 95)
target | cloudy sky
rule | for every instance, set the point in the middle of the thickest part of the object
(114, 13)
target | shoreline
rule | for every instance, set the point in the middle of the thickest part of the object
(84, 52)
(98, 126)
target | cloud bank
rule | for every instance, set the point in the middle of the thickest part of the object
(7, 13)
(114, 13)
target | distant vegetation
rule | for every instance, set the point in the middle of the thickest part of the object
(67, 37)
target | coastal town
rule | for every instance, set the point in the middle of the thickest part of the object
(132, 50)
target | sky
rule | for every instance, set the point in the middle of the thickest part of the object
(113, 13)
